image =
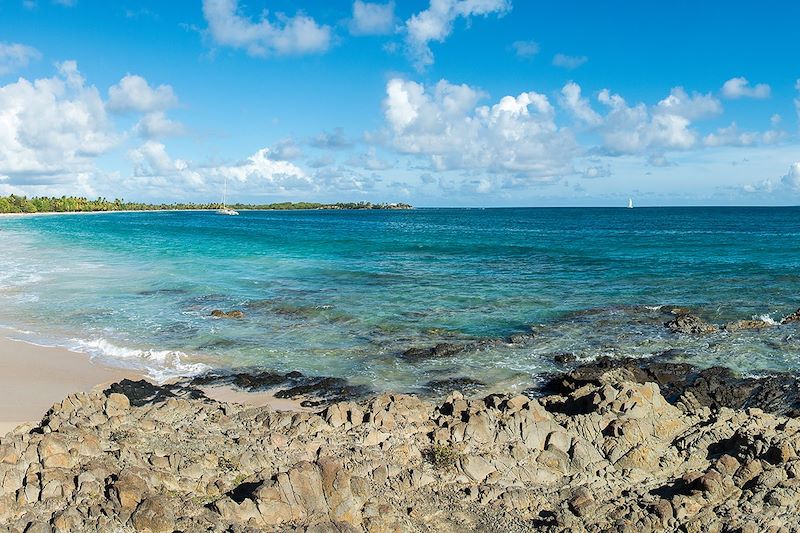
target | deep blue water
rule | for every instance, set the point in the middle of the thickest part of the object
(344, 292)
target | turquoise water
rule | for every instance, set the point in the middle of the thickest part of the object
(344, 293)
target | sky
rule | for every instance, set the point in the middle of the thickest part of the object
(430, 102)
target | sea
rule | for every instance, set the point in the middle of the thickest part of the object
(348, 293)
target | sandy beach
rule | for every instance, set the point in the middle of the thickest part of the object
(33, 378)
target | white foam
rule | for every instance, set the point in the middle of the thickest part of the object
(160, 365)
(766, 318)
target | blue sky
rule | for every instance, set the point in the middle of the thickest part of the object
(434, 102)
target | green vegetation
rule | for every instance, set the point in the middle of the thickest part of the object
(72, 204)
(442, 456)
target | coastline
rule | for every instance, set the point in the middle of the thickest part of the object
(33, 378)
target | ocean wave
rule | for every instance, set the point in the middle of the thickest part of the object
(160, 365)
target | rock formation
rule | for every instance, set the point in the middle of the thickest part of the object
(605, 454)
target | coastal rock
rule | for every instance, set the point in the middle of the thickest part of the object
(691, 325)
(792, 317)
(714, 387)
(235, 313)
(620, 445)
(154, 515)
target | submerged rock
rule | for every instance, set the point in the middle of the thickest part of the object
(747, 324)
(691, 324)
(437, 387)
(236, 313)
(443, 349)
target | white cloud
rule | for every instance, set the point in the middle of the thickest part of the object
(299, 34)
(372, 18)
(436, 23)
(665, 126)
(789, 182)
(579, 107)
(731, 136)
(262, 172)
(516, 135)
(792, 178)
(52, 127)
(286, 149)
(691, 107)
(133, 93)
(740, 88)
(156, 125)
(569, 62)
(262, 169)
(14, 56)
(525, 49)
(151, 160)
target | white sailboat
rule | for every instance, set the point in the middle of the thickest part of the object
(630, 203)
(226, 210)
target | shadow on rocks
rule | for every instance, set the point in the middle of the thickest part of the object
(713, 387)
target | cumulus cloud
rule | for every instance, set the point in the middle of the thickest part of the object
(741, 88)
(792, 178)
(285, 149)
(569, 62)
(372, 18)
(263, 169)
(667, 125)
(133, 93)
(299, 34)
(52, 126)
(436, 23)
(151, 160)
(14, 56)
(156, 125)
(525, 49)
(517, 135)
(578, 106)
(789, 182)
(732, 136)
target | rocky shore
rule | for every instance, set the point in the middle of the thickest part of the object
(601, 448)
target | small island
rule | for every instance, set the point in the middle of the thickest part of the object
(74, 204)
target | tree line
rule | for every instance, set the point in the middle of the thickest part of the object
(76, 204)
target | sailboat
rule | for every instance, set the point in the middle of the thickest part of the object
(226, 210)
(630, 203)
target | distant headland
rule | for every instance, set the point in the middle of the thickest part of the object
(74, 204)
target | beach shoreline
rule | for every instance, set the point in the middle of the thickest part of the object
(34, 377)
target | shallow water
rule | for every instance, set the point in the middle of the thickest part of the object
(343, 293)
